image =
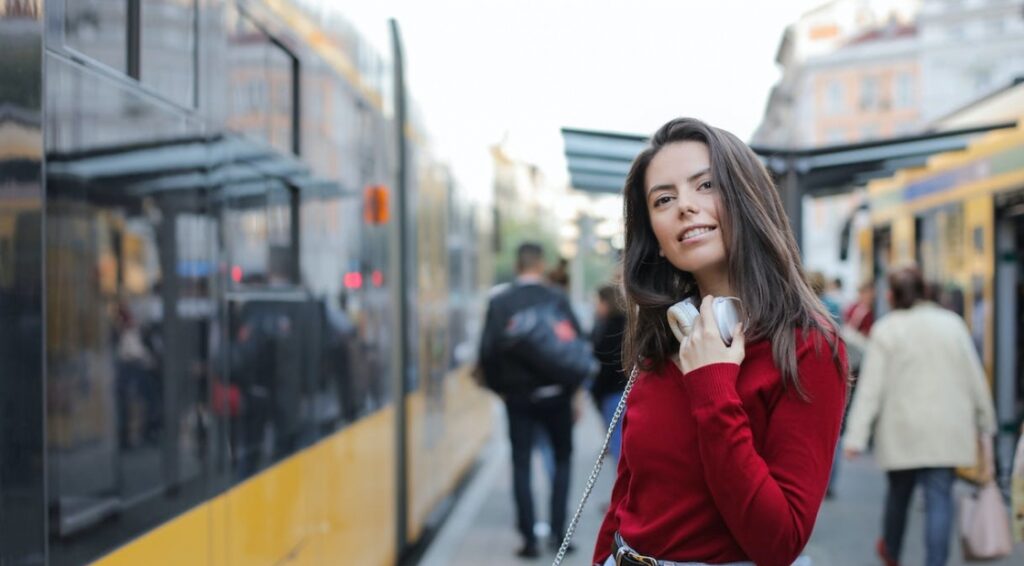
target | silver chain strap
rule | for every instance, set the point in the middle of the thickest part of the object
(595, 472)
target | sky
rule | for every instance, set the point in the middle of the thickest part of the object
(487, 70)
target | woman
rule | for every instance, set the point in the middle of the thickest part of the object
(726, 451)
(923, 390)
(607, 339)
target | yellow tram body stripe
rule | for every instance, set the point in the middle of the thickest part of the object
(330, 503)
(181, 541)
(333, 502)
(437, 464)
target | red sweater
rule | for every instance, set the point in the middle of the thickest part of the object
(722, 464)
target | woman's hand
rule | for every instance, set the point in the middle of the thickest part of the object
(705, 346)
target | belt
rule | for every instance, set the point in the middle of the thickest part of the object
(624, 555)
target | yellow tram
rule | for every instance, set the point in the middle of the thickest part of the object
(224, 342)
(960, 217)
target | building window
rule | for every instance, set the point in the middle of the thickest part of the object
(904, 129)
(995, 26)
(904, 95)
(834, 97)
(869, 93)
(835, 136)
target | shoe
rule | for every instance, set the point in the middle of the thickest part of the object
(883, 553)
(529, 550)
(556, 543)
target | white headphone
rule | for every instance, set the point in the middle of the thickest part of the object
(682, 316)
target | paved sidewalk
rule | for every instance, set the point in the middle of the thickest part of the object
(481, 528)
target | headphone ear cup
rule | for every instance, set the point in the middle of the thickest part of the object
(681, 317)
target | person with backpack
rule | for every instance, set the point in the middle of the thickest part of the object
(529, 333)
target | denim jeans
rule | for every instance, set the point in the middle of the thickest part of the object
(554, 418)
(608, 405)
(938, 501)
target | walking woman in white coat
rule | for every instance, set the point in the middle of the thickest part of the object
(923, 391)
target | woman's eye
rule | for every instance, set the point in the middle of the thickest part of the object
(662, 200)
(706, 185)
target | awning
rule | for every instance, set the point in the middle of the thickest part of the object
(599, 161)
(228, 166)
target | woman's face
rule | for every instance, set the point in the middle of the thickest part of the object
(683, 205)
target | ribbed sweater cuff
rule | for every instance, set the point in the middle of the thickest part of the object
(711, 383)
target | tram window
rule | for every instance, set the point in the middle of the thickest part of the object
(168, 48)
(99, 29)
(264, 72)
(260, 237)
(129, 320)
(273, 359)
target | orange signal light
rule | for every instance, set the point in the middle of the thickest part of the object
(376, 205)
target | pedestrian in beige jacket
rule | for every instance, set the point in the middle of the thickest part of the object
(923, 391)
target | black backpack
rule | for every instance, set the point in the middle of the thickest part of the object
(543, 338)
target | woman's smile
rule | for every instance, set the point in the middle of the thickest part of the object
(695, 234)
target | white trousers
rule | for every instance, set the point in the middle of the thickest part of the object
(802, 561)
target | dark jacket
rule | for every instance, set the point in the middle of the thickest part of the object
(607, 339)
(519, 381)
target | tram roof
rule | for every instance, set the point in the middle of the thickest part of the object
(599, 161)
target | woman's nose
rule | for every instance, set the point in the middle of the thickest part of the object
(686, 205)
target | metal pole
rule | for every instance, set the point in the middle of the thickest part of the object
(399, 258)
(792, 201)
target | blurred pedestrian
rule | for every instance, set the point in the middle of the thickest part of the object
(858, 318)
(924, 396)
(559, 276)
(727, 440)
(860, 315)
(609, 328)
(533, 400)
(834, 290)
(816, 280)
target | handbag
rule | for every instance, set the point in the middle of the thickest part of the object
(983, 471)
(1017, 490)
(984, 525)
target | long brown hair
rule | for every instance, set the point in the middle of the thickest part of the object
(763, 259)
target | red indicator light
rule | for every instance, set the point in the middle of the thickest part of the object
(353, 280)
(377, 278)
(236, 274)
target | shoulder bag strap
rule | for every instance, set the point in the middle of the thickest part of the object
(596, 471)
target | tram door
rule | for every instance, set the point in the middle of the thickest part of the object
(882, 251)
(1009, 321)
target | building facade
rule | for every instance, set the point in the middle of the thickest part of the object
(859, 71)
